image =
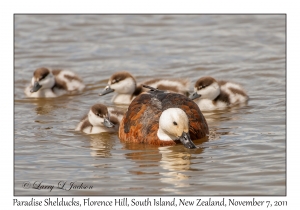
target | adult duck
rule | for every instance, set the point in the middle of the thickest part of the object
(163, 118)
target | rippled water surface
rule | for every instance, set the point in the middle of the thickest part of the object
(246, 151)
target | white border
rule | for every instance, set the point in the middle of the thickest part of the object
(8, 8)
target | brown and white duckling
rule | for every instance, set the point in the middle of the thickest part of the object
(47, 83)
(126, 89)
(100, 119)
(211, 94)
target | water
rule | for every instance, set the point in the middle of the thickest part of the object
(246, 152)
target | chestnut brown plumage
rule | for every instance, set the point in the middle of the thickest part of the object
(141, 121)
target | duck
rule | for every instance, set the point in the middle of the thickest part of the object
(100, 119)
(125, 87)
(163, 118)
(47, 83)
(210, 94)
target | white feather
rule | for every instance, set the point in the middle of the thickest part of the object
(167, 130)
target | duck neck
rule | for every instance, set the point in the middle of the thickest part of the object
(121, 98)
(163, 136)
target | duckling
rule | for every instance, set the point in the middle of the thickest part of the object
(211, 94)
(100, 119)
(163, 118)
(48, 83)
(126, 89)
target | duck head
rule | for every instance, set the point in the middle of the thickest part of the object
(42, 79)
(99, 116)
(174, 125)
(120, 82)
(206, 88)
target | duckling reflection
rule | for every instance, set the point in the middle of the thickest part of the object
(44, 106)
(215, 118)
(102, 144)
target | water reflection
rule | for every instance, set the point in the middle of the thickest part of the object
(102, 144)
(45, 106)
(215, 117)
(216, 120)
(143, 155)
(175, 161)
(177, 158)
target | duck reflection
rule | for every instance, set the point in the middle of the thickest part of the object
(175, 161)
(176, 158)
(145, 156)
(150, 152)
(169, 162)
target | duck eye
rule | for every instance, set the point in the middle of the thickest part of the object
(115, 81)
(175, 123)
(201, 87)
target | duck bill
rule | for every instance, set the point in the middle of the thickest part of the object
(194, 96)
(106, 90)
(36, 87)
(186, 141)
(107, 123)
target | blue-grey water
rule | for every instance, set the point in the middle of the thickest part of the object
(246, 152)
